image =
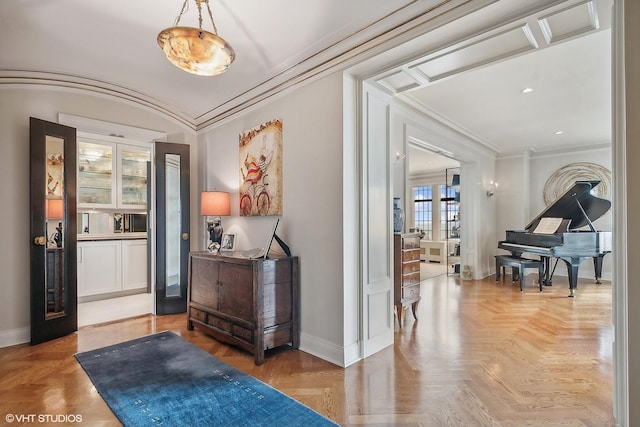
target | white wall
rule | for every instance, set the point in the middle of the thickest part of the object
(17, 104)
(512, 194)
(312, 218)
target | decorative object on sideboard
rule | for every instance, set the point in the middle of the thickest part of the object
(260, 154)
(398, 216)
(228, 242)
(216, 204)
(565, 177)
(195, 50)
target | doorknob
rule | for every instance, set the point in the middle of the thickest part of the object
(40, 240)
(185, 236)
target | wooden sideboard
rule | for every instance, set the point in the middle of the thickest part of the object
(406, 273)
(251, 303)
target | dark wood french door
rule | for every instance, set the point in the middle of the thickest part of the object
(172, 227)
(53, 230)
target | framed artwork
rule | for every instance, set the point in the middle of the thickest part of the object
(228, 242)
(261, 170)
(562, 179)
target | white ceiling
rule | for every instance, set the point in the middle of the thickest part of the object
(112, 44)
(115, 42)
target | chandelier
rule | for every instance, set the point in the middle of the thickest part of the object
(196, 50)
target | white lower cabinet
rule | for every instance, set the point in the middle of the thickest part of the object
(111, 266)
(134, 264)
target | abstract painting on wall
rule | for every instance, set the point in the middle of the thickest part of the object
(261, 170)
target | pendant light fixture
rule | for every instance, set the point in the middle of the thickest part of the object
(196, 50)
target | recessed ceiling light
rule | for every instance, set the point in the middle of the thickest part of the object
(558, 132)
(527, 90)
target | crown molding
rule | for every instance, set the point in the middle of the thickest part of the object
(35, 79)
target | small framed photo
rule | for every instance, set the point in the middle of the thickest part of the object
(228, 242)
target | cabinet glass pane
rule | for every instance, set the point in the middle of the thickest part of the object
(134, 175)
(95, 169)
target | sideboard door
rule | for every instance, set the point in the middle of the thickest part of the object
(235, 283)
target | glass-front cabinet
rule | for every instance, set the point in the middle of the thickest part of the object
(112, 175)
(96, 178)
(132, 163)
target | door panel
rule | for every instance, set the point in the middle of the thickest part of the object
(53, 230)
(172, 227)
(377, 267)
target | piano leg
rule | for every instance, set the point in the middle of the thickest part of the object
(597, 266)
(572, 270)
(547, 270)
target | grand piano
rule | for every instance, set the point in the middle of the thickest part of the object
(574, 209)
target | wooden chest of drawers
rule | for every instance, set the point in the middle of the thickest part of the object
(406, 273)
(251, 303)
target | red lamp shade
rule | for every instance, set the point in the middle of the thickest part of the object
(215, 203)
(54, 209)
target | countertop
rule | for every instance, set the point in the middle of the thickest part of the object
(110, 236)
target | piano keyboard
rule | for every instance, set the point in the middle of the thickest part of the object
(525, 248)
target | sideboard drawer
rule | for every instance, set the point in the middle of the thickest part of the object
(411, 291)
(243, 333)
(218, 323)
(411, 279)
(411, 255)
(198, 315)
(410, 267)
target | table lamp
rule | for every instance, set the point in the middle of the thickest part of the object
(54, 209)
(216, 204)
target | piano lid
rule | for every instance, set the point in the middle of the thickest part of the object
(566, 206)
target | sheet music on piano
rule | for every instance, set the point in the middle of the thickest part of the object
(548, 225)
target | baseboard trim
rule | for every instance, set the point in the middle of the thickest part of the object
(15, 337)
(324, 350)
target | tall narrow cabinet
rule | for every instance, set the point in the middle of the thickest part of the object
(406, 273)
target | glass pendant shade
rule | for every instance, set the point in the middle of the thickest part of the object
(196, 51)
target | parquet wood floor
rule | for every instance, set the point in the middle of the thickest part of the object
(481, 354)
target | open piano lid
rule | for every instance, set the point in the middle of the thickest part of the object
(567, 207)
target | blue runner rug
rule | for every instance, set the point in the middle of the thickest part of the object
(163, 380)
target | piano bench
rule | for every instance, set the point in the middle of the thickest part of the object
(521, 264)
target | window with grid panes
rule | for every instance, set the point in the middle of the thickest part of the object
(449, 211)
(423, 210)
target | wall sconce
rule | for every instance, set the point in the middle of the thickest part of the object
(492, 188)
(217, 204)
